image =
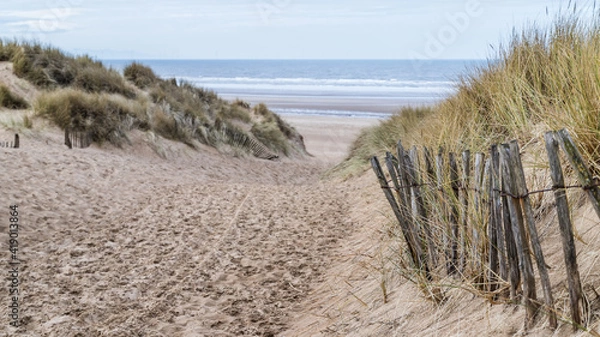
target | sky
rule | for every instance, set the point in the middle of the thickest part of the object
(273, 29)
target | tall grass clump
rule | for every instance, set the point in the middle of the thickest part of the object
(543, 79)
(10, 100)
(140, 75)
(105, 117)
(50, 68)
(272, 131)
(100, 79)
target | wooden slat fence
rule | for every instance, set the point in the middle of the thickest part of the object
(492, 243)
(235, 138)
(77, 138)
(11, 144)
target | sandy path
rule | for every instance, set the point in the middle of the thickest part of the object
(120, 242)
(195, 260)
(328, 138)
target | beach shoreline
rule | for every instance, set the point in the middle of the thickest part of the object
(345, 106)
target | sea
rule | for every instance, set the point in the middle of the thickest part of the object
(344, 88)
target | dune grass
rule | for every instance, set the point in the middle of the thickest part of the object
(50, 68)
(105, 117)
(187, 112)
(10, 100)
(271, 130)
(140, 75)
(543, 79)
(80, 93)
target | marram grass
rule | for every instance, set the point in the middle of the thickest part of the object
(543, 79)
(79, 92)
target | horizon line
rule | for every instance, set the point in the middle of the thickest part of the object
(290, 59)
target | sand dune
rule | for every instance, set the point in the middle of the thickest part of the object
(119, 242)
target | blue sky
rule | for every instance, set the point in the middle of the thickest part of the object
(272, 29)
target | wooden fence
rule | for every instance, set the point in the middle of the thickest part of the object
(11, 144)
(79, 139)
(494, 241)
(235, 138)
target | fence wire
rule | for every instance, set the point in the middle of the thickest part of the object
(502, 192)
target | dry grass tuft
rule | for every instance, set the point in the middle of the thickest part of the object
(140, 75)
(10, 100)
(105, 117)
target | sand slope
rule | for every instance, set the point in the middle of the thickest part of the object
(119, 242)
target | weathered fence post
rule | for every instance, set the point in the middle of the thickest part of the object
(68, 139)
(576, 160)
(419, 209)
(490, 246)
(464, 202)
(496, 257)
(577, 303)
(512, 255)
(478, 202)
(391, 162)
(434, 206)
(516, 215)
(431, 178)
(16, 144)
(454, 229)
(403, 176)
(523, 193)
(394, 167)
(413, 246)
(439, 170)
(480, 168)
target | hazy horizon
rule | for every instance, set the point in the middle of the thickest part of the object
(287, 59)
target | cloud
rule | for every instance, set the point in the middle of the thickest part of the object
(45, 26)
(49, 20)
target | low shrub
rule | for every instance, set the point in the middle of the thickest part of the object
(10, 100)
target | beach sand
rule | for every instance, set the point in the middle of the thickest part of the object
(329, 138)
(120, 242)
(374, 105)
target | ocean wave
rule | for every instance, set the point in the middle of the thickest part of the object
(306, 81)
(307, 86)
(331, 113)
